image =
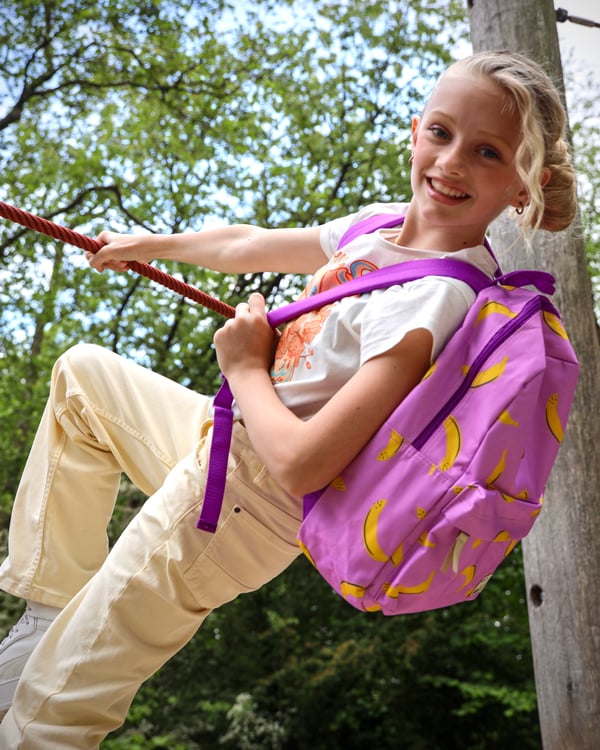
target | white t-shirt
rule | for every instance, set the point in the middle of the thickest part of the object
(321, 350)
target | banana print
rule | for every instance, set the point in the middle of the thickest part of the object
(453, 443)
(523, 495)
(398, 556)
(505, 418)
(429, 372)
(370, 540)
(497, 472)
(552, 418)
(425, 540)
(504, 536)
(394, 591)
(370, 532)
(339, 484)
(393, 446)
(494, 307)
(421, 513)
(352, 589)
(469, 574)
(488, 375)
(306, 552)
(553, 322)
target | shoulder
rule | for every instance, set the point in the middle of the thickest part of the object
(332, 231)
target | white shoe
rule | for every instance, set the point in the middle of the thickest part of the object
(18, 645)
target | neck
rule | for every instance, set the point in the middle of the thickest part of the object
(417, 232)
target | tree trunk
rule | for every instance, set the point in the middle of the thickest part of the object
(562, 554)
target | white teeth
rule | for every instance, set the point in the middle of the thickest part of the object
(445, 190)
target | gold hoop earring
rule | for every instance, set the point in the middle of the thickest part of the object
(411, 158)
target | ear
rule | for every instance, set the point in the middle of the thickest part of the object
(546, 174)
(522, 197)
(414, 129)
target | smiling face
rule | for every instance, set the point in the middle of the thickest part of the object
(463, 173)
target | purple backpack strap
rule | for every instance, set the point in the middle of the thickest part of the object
(217, 465)
(386, 221)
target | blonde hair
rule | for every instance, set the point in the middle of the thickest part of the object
(535, 99)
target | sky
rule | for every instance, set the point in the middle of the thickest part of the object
(582, 41)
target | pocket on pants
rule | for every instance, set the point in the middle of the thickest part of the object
(242, 555)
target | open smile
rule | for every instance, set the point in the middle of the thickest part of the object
(437, 188)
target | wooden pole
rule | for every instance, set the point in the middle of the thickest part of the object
(562, 554)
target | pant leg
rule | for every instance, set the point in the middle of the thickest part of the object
(157, 585)
(105, 415)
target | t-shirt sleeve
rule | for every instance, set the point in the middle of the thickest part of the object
(434, 303)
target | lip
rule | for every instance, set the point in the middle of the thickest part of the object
(445, 192)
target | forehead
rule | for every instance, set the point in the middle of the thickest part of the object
(475, 100)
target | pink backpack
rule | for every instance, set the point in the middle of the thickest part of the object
(454, 478)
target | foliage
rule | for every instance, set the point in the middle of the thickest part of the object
(585, 130)
(155, 116)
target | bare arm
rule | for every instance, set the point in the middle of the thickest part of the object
(238, 248)
(306, 455)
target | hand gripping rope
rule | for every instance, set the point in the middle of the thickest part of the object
(45, 226)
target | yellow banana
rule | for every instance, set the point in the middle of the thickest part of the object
(504, 536)
(505, 418)
(469, 574)
(398, 555)
(394, 591)
(523, 495)
(421, 513)
(498, 469)
(494, 307)
(352, 589)
(490, 374)
(306, 552)
(453, 443)
(425, 540)
(553, 322)
(552, 417)
(513, 543)
(370, 532)
(429, 372)
(373, 608)
(339, 484)
(392, 447)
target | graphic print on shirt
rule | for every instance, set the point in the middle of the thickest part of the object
(293, 347)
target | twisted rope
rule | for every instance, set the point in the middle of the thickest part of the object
(45, 226)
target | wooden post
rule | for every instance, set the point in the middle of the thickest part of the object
(562, 554)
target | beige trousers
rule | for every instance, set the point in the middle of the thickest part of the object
(128, 610)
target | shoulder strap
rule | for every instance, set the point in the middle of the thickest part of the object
(368, 225)
(385, 221)
(399, 273)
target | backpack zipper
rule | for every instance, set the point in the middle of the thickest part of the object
(527, 311)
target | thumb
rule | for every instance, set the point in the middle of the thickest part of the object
(257, 303)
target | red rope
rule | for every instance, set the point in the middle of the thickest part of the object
(45, 226)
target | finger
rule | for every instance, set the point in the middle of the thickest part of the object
(256, 302)
(243, 308)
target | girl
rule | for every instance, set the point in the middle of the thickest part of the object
(490, 137)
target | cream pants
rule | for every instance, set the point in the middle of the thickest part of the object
(128, 610)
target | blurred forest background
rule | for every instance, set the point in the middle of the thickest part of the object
(166, 116)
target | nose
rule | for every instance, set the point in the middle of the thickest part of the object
(451, 159)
